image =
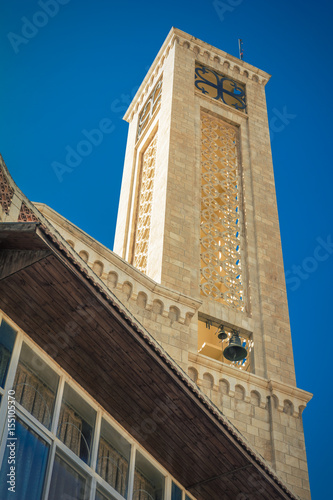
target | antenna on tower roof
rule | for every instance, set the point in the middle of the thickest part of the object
(240, 45)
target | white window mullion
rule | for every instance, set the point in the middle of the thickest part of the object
(57, 405)
(92, 488)
(94, 450)
(167, 488)
(9, 385)
(49, 470)
(131, 473)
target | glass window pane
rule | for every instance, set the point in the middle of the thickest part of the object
(113, 458)
(7, 339)
(31, 454)
(148, 481)
(76, 424)
(176, 492)
(67, 482)
(35, 386)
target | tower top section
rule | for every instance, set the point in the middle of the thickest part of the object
(237, 66)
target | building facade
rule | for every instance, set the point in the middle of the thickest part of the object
(125, 381)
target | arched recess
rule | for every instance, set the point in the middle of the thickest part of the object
(158, 306)
(127, 289)
(239, 392)
(224, 387)
(112, 280)
(208, 381)
(174, 313)
(255, 398)
(141, 300)
(288, 407)
(275, 402)
(98, 267)
(193, 374)
(84, 255)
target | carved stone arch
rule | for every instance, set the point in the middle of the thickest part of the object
(193, 374)
(98, 267)
(301, 408)
(236, 69)
(71, 243)
(141, 300)
(255, 78)
(176, 40)
(112, 280)
(239, 392)
(217, 59)
(208, 381)
(206, 55)
(127, 289)
(226, 64)
(255, 398)
(275, 401)
(158, 306)
(224, 387)
(196, 50)
(246, 74)
(186, 45)
(174, 313)
(188, 317)
(288, 407)
(84, 255)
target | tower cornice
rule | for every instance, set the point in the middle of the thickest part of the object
(228, 63)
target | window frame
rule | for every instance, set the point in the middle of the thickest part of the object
(50, 435)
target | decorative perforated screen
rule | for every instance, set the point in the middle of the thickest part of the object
(148, 161)
(220, 215)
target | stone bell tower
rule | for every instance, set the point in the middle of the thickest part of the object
(198, 216)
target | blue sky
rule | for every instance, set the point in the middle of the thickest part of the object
(80, 62)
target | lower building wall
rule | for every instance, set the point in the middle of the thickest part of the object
(273, 426)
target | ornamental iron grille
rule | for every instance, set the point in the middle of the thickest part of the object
(26, 215)
(220, 87)
(220, 214)
(6, 193)
(152, 104)
(148, 162)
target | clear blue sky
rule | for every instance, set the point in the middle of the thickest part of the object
(84, 61)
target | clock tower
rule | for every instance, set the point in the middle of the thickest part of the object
(198, 217)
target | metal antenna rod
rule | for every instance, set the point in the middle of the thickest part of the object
(240, 45)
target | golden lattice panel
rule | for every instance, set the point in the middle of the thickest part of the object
(145, 206)
(220, 215)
